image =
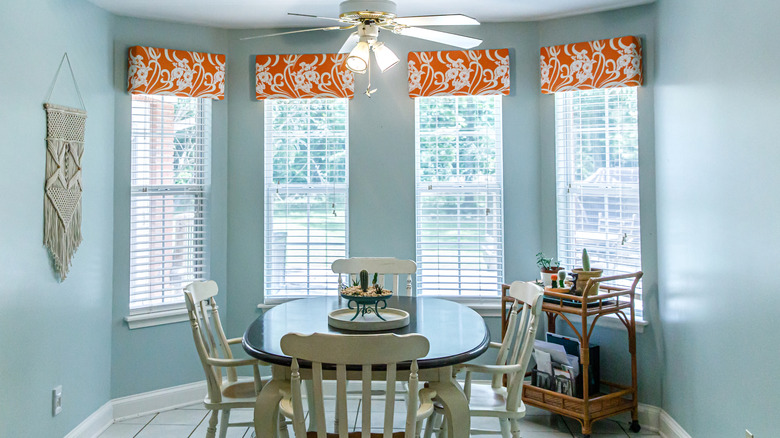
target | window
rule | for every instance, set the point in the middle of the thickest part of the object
(459, 206)
(306, 189)
(171, 144)
(598, 180)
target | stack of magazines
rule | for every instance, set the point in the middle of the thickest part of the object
(555, 370)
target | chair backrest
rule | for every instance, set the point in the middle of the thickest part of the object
(359, 351)
(210, 340)
(518, 343)
(386, 268)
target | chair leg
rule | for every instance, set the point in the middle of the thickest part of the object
(515, 428)
(441, 432)
(212, 429)
(223, 423)
(506, 431)
(283, 433)
(429, 425)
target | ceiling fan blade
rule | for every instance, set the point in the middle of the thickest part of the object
(451, 39)
(294, 31)
(350, 43)
(316, 16)
(437, 20)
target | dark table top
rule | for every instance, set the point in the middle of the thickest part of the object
(456, 333)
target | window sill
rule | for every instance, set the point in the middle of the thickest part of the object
(152, 319)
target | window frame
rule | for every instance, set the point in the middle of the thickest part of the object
(142, 126)
(493, 191)
(337, 190)
(619, 183)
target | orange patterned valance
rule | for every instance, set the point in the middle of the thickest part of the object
(610, 63)
(176, 73)
(459, 73)
(314, 76)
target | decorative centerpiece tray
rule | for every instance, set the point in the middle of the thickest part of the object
(367, 311)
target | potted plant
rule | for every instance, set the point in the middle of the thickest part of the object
(548, 267)
(584, 273)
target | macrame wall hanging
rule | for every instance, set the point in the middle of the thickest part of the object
(62, 193)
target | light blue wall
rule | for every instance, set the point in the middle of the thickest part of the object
(381, 138)
(53, 333)
(718, 186)
(165, 354)
(639, 21)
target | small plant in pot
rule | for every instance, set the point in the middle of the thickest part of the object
(584, 273)
(548, 268)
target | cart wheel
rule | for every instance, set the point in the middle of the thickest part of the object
(635, 427)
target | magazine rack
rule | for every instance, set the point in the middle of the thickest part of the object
(612, 300)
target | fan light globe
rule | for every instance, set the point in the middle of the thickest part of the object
(357, 61)
(385, 58)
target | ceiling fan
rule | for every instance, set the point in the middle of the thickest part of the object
(368, 17)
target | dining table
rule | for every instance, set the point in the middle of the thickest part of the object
(456, 334)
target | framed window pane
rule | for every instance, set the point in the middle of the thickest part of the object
(306, 195)
(459, 203)
(171, 146)
(597, 172)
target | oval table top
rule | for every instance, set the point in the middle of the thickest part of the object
(456, 333)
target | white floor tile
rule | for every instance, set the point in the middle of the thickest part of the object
(166, 431)
(121, 430)
(232, 432)
(180, 416)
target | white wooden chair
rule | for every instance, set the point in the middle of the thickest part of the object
(387, 268)
(514, 353)
(358, 352)
(223, 392)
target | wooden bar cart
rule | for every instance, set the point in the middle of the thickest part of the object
(611, 300)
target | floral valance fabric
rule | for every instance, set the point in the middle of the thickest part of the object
(610, 63)
(459, 73)
(312, 76)
(176, 73)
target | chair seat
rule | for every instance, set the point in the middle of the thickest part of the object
(488, 402)
(241, 391)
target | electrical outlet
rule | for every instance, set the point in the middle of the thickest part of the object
(56, 400)
(748, 434)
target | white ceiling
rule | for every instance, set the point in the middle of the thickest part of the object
(238, 14)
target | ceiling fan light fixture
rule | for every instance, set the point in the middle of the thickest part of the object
(358, 58)
(385, 58)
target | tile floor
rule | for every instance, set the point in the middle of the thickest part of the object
(191, 422)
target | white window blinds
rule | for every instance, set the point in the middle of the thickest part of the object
(306, 189)
(459, 205)
(171, 144)
(598, 180)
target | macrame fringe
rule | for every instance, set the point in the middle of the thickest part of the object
(62, 243)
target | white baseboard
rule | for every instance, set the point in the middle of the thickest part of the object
(651, 418)
(668, 428)
(95, 424)
(156, 401)
(137, 405)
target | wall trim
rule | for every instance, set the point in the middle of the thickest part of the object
(160, 400)
(138, 405)
(669, 428)
(651, 417)
(95, 424)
